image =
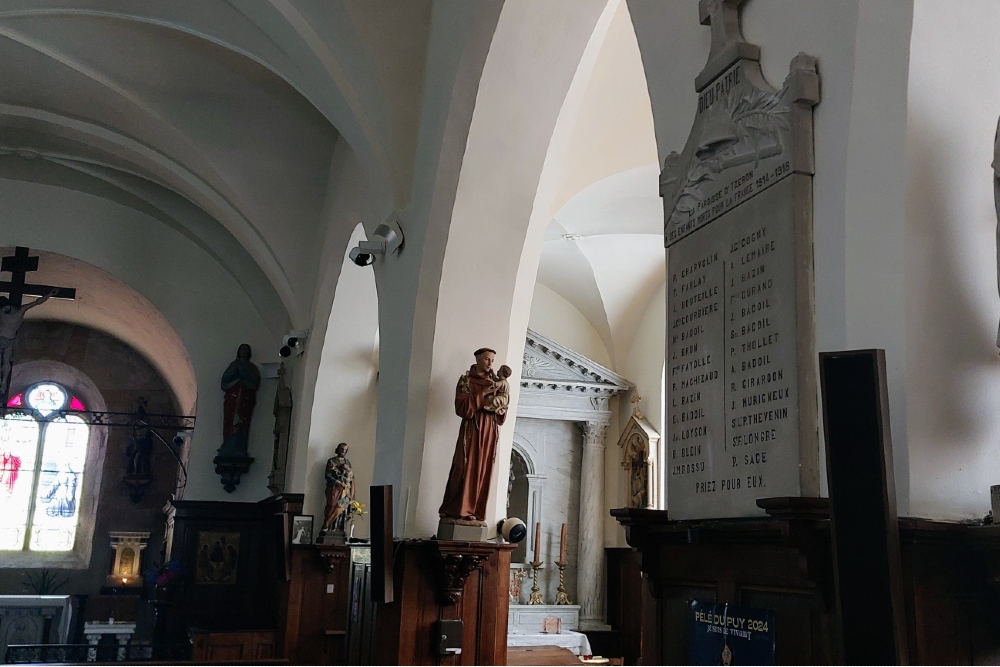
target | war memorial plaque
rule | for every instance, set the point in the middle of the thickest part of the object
(741, 361)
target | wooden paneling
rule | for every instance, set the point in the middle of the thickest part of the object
(625, 603)
(252, 601)
(446, 581)
(541, 655)
(784, 563)
(316, 613)
(238, 647)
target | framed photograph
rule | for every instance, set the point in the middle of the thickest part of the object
(302, 529)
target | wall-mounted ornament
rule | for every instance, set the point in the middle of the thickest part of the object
(639, 443)
(240, 383)
(126, 569)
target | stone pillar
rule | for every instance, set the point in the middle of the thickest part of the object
(535, 488)
(590, 555)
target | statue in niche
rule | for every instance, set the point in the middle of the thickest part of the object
(11, 318)
(140, 446)
(639, 491)
(240, 383)
(282, 430)
(339, 493)
(138, 455)
(638, 443)
(483, 412)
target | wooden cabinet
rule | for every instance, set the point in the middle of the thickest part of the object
(445, 581)
(325, 612)
(238, 647)
(784, 563)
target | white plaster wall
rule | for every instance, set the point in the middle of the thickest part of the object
(644, 368)
(210, 312)
(346, 392)
(953, 378)
(644, 364)
(349, 201)
(859, 190)
(556, 318)
(532, 60)
(556, 447)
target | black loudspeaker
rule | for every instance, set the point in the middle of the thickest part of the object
(381, 535)
(865, 533)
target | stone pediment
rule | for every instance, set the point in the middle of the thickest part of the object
(547, 365)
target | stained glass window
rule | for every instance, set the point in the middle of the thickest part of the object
(43, 452)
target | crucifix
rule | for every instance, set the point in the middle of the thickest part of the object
(12, 309)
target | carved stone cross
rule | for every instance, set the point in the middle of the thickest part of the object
(728, 44)
(636, 398)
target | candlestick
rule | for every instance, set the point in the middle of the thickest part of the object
(536, 594)
(561, 596)
(562, 544)
(538, 542)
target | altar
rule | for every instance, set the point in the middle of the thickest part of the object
(524, 627)
(34, 619)
(576, 642)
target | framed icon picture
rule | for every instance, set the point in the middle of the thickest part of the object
(218, 557)
(302, 529)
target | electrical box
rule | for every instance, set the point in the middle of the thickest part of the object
(448, 636)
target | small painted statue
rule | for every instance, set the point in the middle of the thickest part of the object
(339, 491)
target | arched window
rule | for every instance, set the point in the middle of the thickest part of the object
(43, 459)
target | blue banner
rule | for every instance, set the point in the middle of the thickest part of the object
(721, 634)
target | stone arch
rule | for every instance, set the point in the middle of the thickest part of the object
(513, 135)
(101, 304)
(521, 446)
(340, 386)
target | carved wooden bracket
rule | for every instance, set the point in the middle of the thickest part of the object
(230, 469)
(454, 567)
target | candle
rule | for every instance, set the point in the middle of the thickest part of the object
(538, 542)
(562, 544)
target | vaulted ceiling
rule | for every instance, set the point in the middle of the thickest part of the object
(603, 249)
(217, 117)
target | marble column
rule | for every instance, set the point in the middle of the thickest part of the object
(535, 487)
(590, 556)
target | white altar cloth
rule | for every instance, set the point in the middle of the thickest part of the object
(576, 642)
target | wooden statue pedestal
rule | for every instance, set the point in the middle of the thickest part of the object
(783, 562)
(437, 580)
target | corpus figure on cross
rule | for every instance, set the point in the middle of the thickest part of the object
(11, 317)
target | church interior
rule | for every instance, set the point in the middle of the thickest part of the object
(439, 332)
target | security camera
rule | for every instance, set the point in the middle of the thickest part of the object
(513, 529)
(292, 344)
(181, 437)
(361, 257)
(386, 239)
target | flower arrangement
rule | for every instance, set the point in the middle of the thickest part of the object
(164, 575)
(355, 509)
